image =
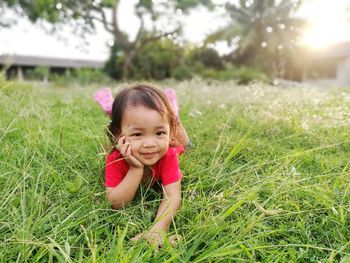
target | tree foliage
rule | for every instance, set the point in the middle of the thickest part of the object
(265, 32)
(208, 57)
(158, 60)
(106, 12)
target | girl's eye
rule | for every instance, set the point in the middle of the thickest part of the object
(136, 134)
(161, 133)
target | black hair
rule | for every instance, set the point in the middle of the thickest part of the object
(146, 95)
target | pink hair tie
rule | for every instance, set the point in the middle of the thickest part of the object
(171, 94)
(105, 99)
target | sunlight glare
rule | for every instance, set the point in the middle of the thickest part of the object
(328, 24)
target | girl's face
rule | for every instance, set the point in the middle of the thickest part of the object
(148, 133)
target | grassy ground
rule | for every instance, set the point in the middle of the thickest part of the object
(267, 179)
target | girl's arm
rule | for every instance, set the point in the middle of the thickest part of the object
(125, 192)
(170, 204)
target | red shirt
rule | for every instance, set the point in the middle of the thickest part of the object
(166, 170)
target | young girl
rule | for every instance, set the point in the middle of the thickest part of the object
(148, 137)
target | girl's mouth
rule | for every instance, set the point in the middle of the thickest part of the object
(149, 155)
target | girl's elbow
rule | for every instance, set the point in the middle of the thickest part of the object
(117, 206)
(117, 203)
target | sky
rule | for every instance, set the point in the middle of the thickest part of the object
(328, 23)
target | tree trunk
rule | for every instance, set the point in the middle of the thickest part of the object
(129, 55)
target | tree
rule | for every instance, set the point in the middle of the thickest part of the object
(265, 32)
(158, 60)
(207, 57)
(106, 12)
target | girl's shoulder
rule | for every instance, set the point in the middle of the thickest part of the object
(171, 151)
(171, 154)
(178, 149)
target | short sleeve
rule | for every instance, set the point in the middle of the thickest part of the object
(169, 169)
(115, 170)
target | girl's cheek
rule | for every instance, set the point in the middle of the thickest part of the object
(133, 144)
(129, 138)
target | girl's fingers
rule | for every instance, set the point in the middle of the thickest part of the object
(121, 140)
(125, 150)
(137, 237)
(157, 240)
(128, 149)
(174, 239)
(123, 146)
(159, 243)
(120, 143)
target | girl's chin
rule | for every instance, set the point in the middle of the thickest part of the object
(149, 162)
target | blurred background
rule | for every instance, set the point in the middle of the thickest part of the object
(245, 40)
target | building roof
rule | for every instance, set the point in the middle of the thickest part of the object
(22, 60)
(336, 51)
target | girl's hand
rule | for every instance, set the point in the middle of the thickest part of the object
(125, 149)
(156, 238)
(153, 238)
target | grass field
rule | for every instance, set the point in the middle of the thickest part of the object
(268, 177)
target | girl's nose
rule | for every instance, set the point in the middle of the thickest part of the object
(148, 142)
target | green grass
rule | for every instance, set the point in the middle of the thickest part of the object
(256, 148)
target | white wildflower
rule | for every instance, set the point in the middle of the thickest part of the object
(222, 106)
(293, 171)
(305, 126)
